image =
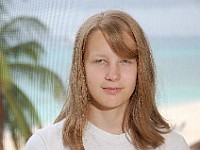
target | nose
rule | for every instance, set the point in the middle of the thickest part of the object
(113, 73)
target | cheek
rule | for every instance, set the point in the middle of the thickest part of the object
(93, 74)
(130, 79)
(91, 77)
(93, 84)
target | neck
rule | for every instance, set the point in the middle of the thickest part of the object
(110, 120)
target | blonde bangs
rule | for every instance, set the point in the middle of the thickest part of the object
(120, 38)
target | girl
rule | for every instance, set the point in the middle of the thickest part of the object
(111, 100)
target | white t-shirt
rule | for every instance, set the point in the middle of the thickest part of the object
(50, 138)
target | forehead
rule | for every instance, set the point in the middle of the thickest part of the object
(95, 40)
(97, 45)
(122, 44)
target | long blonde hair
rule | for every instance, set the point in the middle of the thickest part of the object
(142, 117)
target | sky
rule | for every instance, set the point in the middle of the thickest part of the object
(157, 17)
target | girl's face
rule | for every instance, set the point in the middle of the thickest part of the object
(111, 80)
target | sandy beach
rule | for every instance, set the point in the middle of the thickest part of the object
(184, 117)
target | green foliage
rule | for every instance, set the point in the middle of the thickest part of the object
(19, 114)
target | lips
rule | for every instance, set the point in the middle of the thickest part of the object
(112, 90)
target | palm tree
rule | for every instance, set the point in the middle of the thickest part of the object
(19, 58)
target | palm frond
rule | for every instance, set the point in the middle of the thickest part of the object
(31, 49)
(5, 77)
(42, 76)
(3, 43)
(14, 131)
(21, 113)
(29, 111)
(17, 113)
(28, 22)
(21, 28)
(8, 29)
(2, 8)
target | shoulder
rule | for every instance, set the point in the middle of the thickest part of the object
(174, 141)
(46, 138)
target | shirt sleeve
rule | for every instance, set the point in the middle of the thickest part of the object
(183, 144)
(35, 142)
(174, 141)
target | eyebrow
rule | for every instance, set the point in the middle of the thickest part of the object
(104, 56)
(98, 55)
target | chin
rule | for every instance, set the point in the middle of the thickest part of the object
(107, 106)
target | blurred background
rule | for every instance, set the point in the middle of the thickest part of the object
(36, 41)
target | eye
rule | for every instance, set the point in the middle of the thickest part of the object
(100, 61)
(125, 61)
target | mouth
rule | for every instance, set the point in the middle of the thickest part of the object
(112, 90)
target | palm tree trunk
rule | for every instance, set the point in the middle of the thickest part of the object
(2, 121)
